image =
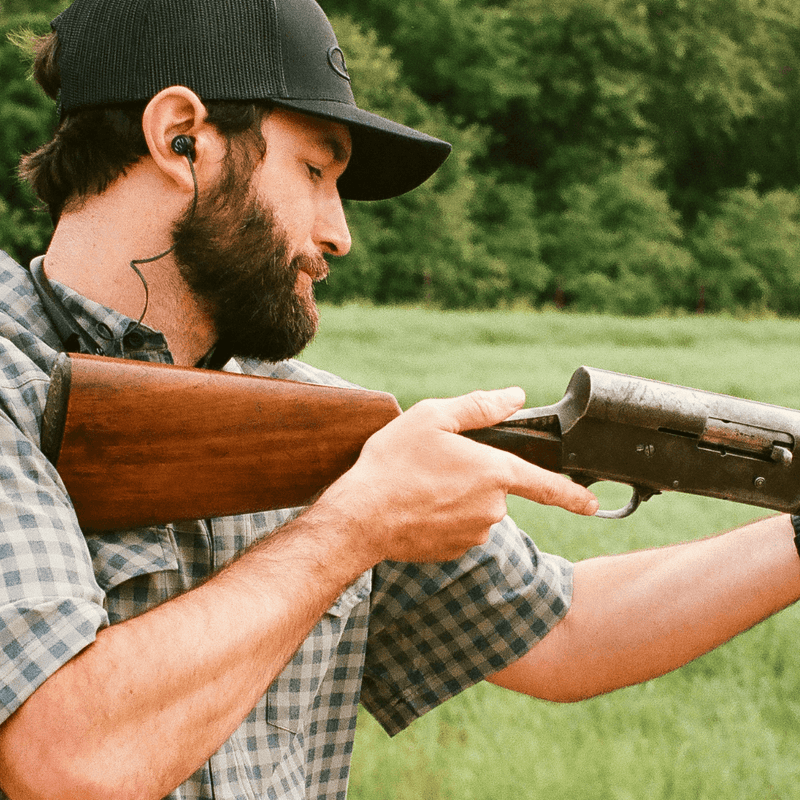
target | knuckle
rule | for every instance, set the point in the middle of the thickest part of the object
(427, 405)
(499, 511)
(482, 402)
(482, 535)
(494, 508)
(548, 488)
(429, 410)
(506, 468)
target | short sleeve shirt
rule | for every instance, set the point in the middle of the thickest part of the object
(401, 640)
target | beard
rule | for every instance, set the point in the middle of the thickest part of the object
(234, 256)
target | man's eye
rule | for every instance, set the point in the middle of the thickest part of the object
(314, 172)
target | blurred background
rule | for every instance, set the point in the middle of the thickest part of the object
(617, 155)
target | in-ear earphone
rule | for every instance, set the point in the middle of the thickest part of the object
(184, 146)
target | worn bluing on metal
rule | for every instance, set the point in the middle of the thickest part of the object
(658, 437)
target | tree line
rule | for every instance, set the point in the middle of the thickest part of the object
(614, 155)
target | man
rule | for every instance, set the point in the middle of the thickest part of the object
(196, 180)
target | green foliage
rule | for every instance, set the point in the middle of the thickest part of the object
(603, 151)
(748, 253)
(721, 83)
(47, 8)
(617, 246)
(569, 92)
(555, 83)
(28, 117)
(423, 246)
(584, 60)
(506, 214)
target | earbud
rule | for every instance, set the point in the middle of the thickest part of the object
(184, 146)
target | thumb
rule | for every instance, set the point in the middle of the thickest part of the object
(481, 409)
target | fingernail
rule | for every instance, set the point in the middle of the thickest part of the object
(514, 394)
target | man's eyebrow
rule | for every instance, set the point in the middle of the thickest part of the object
(334, 145)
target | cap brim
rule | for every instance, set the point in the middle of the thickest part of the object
(388, 159)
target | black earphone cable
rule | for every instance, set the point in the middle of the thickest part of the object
(180, 146)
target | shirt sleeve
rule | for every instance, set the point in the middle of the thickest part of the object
(50, 603)
(436, 629)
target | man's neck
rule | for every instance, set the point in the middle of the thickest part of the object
(92, 249)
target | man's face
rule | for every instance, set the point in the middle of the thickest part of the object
(256, 242)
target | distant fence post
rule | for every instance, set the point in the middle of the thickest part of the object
(560, 300)
(427, 281)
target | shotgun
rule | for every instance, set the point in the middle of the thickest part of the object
(143, 444)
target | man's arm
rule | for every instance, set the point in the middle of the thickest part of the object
(140, 709)
(640, 615)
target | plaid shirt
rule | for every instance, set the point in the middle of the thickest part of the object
(402, 639)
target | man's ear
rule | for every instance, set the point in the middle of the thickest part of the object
(178, 111)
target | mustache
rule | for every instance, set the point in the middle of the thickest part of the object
(315, 266)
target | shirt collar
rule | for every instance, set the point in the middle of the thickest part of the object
(88, 326)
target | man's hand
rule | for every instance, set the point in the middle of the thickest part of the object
(421, 492)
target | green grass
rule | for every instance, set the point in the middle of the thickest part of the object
(724, 727)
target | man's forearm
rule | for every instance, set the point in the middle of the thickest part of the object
(107, 723)
(639, 615)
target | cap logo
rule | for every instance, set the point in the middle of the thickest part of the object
(336, 60)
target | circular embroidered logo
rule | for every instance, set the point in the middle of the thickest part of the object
(336, 60)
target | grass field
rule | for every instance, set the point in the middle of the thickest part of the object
(726, 726)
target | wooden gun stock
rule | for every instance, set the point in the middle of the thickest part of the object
(143, 444)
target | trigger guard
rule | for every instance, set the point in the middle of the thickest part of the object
(626, 511)
(636, 499)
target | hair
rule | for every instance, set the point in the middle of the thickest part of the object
(94, 146)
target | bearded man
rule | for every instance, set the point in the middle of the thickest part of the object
(196, 179)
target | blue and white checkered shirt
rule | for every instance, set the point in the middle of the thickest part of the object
(401, 640)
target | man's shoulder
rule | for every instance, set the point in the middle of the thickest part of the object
(16, 284)
(20, 306)
(293, 370)
(26, 345)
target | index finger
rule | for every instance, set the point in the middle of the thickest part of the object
(548, 488)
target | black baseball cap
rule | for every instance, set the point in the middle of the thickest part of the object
(284, 51)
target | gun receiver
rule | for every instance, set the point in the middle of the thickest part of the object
(144, 444)
(659, 437)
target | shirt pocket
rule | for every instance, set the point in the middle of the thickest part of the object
(137, 569)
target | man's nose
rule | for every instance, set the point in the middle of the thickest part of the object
(332, 234)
